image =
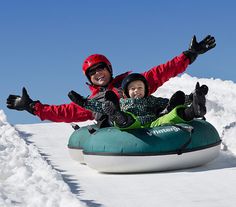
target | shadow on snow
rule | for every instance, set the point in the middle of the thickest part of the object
(72, 183)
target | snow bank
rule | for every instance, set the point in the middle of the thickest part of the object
(25, 178)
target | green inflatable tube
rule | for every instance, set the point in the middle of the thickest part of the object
(159, 141)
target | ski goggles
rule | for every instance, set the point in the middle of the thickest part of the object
(97, 68)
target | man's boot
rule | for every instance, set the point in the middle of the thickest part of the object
(199, 100)
(198, 107)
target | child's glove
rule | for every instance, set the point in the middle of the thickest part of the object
(109, 108)
(77, 98)
(197, 48)
(21, 103)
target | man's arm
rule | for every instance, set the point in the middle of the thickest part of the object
(158, 75)
(62, 113)
(162, 73)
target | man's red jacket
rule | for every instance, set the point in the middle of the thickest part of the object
(156, 76)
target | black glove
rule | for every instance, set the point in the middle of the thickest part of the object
(77, 98)
(21, 103)
(111, 96)
(197, 48)
(109, 108)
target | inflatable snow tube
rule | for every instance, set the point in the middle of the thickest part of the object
(77, 141)
(163, 148)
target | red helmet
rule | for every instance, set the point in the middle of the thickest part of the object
(93, 60)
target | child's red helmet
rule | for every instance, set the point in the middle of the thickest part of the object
(93, 60)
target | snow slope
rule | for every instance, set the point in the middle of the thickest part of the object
(36, 169)
(26, 179)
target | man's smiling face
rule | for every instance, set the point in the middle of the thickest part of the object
(100, 76)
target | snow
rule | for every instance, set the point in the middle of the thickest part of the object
(36, 169)
(26, 179)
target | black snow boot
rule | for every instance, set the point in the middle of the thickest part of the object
(199, 100)
(178, 98)
(189, 98)
(198, 107)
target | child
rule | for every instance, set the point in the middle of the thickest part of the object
(139, 109)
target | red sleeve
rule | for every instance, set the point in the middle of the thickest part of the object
(62, 113)
(158, 75)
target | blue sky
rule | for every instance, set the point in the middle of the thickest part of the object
(43, 43)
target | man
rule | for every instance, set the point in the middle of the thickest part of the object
(98, 70)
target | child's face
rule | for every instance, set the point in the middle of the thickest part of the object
(136, 89)
(100, 76)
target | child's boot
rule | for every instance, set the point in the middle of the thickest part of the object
(178, 98)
